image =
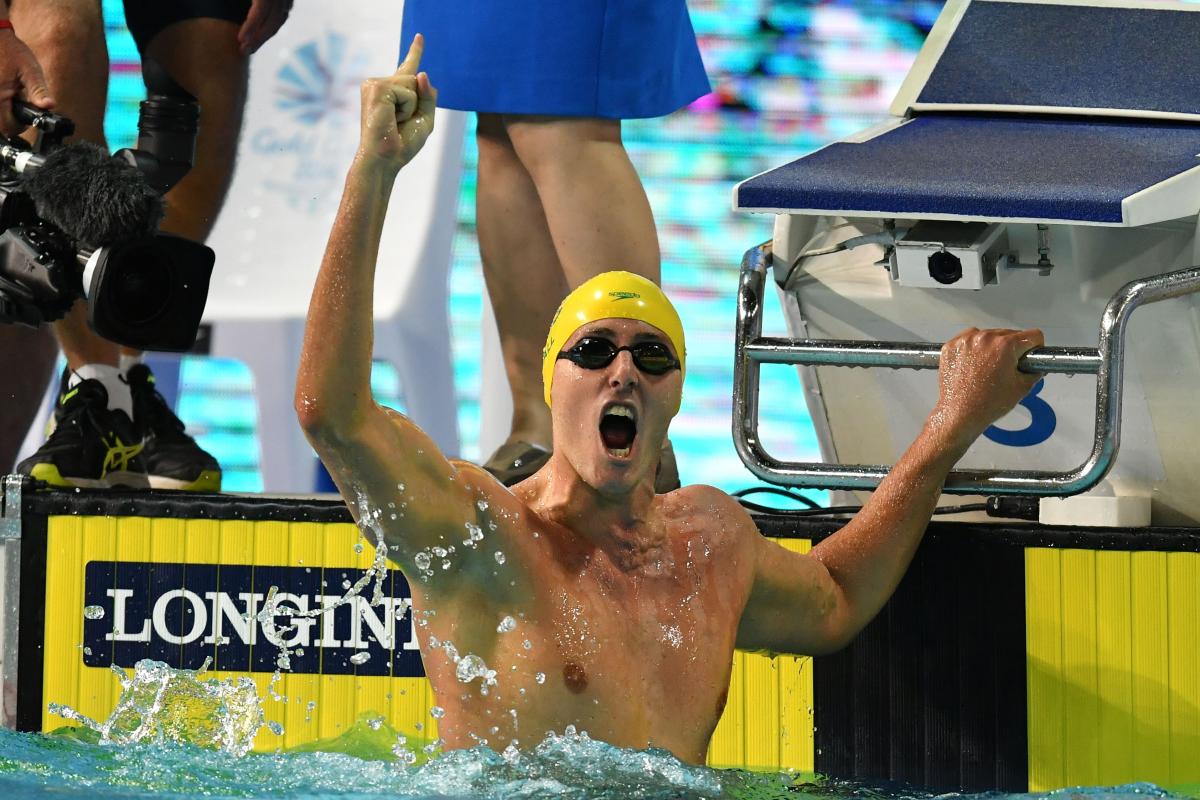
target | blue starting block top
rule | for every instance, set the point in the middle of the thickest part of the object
(1013, 56)
(1042, 111)
(994, 168)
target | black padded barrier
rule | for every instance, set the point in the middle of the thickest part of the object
(932, 694)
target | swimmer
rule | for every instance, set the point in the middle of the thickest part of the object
(626, 606)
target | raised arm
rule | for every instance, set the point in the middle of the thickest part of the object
(382, 463)
(817, 603)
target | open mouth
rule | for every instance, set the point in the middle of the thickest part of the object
(618, 429)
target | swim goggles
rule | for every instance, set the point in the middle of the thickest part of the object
(593, 352)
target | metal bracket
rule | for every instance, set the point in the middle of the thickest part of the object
(10, 507)
(1105, 361)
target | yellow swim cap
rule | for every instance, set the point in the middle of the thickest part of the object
(611, 295)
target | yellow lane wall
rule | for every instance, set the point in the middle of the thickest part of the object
(93, 691)
(768, 720)
(1113, 642)
(767, 723)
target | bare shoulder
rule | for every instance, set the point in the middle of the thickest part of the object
(497, 518)
(711, 512)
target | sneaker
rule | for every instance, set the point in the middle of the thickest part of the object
(666, 476)
(516, 461)
(91, 446)
(173, 459)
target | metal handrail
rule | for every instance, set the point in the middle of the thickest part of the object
(1105, 361)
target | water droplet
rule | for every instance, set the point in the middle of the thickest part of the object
(440, 552)
(437, 712)
(482, 505)
(93, 612)
(360, 658)
(358, 548)
(375, 723)
(499, 557)
(507, 624)
(528, 645)
(470, 667)
(346, 584)
(87, 651)
(422, 560)
(540, 677)
(403, 604)
(275, 728)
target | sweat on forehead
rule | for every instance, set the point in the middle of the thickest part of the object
(611, 295)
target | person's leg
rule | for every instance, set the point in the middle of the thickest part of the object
(201, 55)
(595, 205)
(67, 36)
(92, 445)
(524, 278)
(27, 358)
(596, 209)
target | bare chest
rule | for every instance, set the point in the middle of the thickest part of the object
(654, 639)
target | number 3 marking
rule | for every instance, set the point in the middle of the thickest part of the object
(1041, 425)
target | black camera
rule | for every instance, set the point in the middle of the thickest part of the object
(76, 222)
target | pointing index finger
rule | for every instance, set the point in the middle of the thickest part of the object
(412, 61)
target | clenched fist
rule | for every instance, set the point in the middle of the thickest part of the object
(979, 378)
(397, 112)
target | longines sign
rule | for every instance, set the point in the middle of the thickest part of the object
(182, 613)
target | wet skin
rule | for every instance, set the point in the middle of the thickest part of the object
(632, 602)
(634, 650)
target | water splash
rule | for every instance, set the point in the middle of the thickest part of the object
(364, 764)
(160, 704)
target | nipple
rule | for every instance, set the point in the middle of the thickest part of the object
(574, 677)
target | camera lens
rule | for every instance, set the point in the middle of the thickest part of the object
(945, 267)
(143, 288)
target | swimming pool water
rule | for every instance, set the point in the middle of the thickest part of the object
(562, 766)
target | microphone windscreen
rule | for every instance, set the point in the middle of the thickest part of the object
(92, 197)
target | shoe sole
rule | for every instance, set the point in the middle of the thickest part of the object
(119, 479)
(208, 481)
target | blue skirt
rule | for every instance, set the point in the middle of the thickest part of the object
(619, 59)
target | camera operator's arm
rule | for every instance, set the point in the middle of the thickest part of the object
(263, 20)
(20, 76)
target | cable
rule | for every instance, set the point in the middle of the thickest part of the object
(780, 492)
(835, 510)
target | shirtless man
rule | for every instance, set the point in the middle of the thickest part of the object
(627, 605)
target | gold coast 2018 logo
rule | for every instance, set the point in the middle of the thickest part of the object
(184, 613)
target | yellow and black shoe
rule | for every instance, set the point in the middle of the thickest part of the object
(91, 446)
(173, 459)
